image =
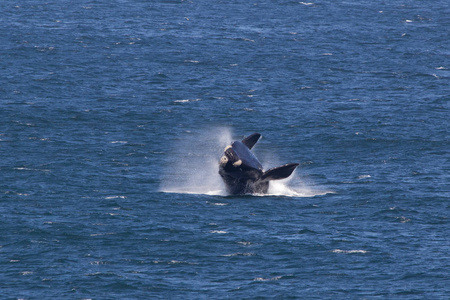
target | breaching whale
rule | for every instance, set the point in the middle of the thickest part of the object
(242, 172)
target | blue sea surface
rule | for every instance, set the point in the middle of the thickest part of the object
(114, 114)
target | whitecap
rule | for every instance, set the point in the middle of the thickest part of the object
(178, 262)
(267, 279)
(403, 219)
(239, 254)
(217, 203)
(31, 169)
(98, 262)
(26, 273)
(115, 197)
(218, 231)
(244, 243)
(102, 234)
(349, 251)
(186, 100)
(119, 142)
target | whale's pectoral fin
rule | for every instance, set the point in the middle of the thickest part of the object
(280, 172)
(251, 140)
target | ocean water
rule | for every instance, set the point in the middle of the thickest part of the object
(113, 115)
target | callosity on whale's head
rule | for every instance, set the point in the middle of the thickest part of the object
(242, 172)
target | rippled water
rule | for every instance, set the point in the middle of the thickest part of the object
(113, 115)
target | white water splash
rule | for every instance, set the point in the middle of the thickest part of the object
(193, 163)
(193, 168)
(293, 187)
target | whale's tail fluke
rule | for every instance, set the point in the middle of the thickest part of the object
(251, 140)
(280, 172)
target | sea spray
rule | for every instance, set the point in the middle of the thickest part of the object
(192, 163)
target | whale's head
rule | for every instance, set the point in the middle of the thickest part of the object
(237, 157)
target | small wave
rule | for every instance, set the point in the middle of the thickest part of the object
(403, 219)
(174, 262)
(178, 262)
(267, 279)
(218, 231)
(103, 234)
(31, 169)
(217, 203)
(239, 254)
(98, 262)
(186, 100)
(350, 251)
(26, 273)
(245, 243)
(115, 197)
(119, 142)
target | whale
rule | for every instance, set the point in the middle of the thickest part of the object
(241, 171)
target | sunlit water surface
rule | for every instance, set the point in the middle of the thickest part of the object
(113, 115)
